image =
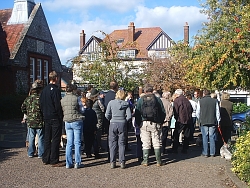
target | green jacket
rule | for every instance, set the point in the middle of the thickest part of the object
(31, 108)
(160, 115)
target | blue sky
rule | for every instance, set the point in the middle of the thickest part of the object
(66, 18)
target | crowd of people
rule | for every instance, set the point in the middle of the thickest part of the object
(82, 118)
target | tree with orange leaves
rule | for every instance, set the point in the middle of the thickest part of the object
(221, 54)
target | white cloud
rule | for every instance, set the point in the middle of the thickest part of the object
(171, 20)
(67, 54)
(80, 5)
(66, 34)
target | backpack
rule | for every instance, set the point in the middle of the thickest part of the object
(149, 108)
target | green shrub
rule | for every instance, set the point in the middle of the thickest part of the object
(10, 106)
(241, 154)
(240, 107)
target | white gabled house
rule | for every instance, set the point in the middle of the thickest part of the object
(136, 45)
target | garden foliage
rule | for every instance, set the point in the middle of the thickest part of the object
(241, 154)
(240, 107)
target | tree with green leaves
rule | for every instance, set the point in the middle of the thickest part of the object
(221, 55)
(106, 67)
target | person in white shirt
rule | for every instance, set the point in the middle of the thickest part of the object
(194, 106)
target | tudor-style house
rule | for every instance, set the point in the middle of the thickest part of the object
(27, 49)
(134, 44)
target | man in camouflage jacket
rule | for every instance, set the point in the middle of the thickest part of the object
(31, 108)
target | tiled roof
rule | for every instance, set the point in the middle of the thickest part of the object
(142, 39)
(13, 32)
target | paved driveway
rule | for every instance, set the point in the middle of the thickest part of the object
(181, 170)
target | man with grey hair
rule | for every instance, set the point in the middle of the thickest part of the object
(183, 115)
(152, 114)
(208, 113)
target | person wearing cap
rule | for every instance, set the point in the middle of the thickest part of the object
(31, 108)
(102, 97)
(183, 115)
(99, 108)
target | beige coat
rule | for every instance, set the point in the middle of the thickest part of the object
(169, 111)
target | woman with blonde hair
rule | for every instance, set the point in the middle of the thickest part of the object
(226, 108)
(118, 113)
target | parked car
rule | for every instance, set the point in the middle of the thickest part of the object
(63, 93)
(238, 119)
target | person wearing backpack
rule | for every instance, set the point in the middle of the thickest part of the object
(152, 114)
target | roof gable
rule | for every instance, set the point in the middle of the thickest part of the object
(162, 41)
(91, 45)
(143, 38)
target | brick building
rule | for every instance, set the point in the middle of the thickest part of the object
(27, 49)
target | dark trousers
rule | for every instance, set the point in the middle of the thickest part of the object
(52, 138)
(226, 133)
(106, 124)
(129, 125)
(179, 127)
(89, 140)
(138, 146)
(117, 140)
(164, 137)
(192, 129)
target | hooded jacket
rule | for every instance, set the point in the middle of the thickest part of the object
(118, 111)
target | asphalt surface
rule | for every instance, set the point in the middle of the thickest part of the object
(181, 170)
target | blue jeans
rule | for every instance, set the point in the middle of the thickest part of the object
(208, 135)
(73, 132)
(117, 132)
(28, 133)
(32, 135)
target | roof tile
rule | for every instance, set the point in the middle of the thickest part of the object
(13, 32)
(142, 39)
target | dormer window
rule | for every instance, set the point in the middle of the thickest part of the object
(119, 41)
(126, 54)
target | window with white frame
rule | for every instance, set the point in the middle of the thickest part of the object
(32, 70)
(46, 72)
(126, 54)
(40, 66)
(39, 69)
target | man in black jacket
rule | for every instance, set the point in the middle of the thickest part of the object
(183, 115)
(52, 115)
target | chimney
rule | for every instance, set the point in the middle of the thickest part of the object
(186, 33)
(21, 11)
(131, 32)
(82, 39)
